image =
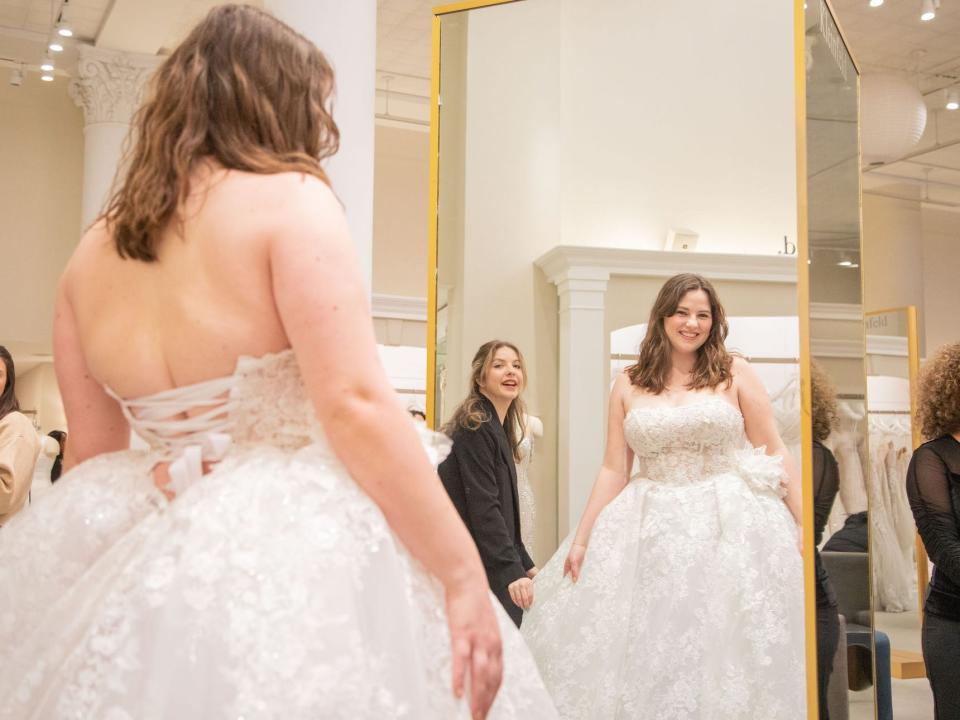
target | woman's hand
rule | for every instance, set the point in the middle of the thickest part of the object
(532, 572)
(521, 592)
(800, 538)
(162, 479)
(475, 645)
(574, 561)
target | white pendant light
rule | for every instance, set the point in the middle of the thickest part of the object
(55, 45)
(953, 102)
(927, 10)
(47, 77)
(893, 117)
(876, 3)
(47, 64)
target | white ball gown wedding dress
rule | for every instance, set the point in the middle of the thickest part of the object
(271, 587)
(689, 604)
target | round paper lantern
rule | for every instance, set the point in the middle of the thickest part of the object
(893, 116)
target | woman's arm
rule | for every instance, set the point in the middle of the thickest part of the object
(761, 429)
(928, 489)
(95, 419)
(612, 478)
(322, 301)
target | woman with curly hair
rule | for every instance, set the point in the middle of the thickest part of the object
(933, 486)
(680, 594)
(826, 483)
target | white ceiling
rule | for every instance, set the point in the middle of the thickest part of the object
(403, 37)
(893, 38)
(888, 38)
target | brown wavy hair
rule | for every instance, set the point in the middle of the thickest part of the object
(823, 401)
(243, 89)
(471, 413)
(652, 369)
(938, 395)
(8, 397)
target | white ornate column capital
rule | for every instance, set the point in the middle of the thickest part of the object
(109, 84)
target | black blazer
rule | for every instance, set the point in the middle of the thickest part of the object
(933, 486)
(481, 479)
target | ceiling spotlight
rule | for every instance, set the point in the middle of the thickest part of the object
(876, 3)
(953, 102)
(55, 45)
(63, 23)
(47, 77)
(47, 64)
(927, 10)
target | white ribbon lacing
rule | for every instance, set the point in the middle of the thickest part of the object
(185, 442)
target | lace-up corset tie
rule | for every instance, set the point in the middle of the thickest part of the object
(185, 442)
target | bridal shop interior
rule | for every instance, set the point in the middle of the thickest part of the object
(533, 170)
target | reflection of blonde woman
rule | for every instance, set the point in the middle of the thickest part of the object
(480, 475)
(19, 444)
(680, 595)
(933, 486)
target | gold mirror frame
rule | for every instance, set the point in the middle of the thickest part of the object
(803, 291)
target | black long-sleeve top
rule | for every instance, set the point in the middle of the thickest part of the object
(480, 477)
(826, 483)
(933, 487)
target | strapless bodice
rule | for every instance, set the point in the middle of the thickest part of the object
(686, 443)
(264, 401)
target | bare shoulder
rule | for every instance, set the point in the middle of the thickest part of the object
(94, 244)
(291, 196)
(622, 389)
(741, 369)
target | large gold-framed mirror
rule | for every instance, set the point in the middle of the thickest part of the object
(852, 678)
(558, 211)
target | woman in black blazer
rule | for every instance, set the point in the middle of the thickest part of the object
(480, 473)
(933, 486)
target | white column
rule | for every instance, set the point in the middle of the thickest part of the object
(583, 394)
(346, 32)
(108, 87)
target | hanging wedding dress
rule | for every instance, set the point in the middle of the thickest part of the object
(271, 587)
(689, 604)
(528, 505)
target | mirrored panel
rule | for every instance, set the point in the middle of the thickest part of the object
(849, 676)
(898, 559)
(576, 175)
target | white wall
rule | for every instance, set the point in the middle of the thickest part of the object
(37, 392)
(400, 207)
(911, 254)
(678, 114)
(606, 124)
(941, 278)
(41, 170)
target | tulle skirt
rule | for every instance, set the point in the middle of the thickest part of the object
(271, 588)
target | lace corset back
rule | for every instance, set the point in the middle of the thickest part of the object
(263, 401)
(686, 443)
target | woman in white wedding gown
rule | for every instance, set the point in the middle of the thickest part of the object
(680, 595)
(284, 549)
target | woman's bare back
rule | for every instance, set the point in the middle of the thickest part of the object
(208, 299)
